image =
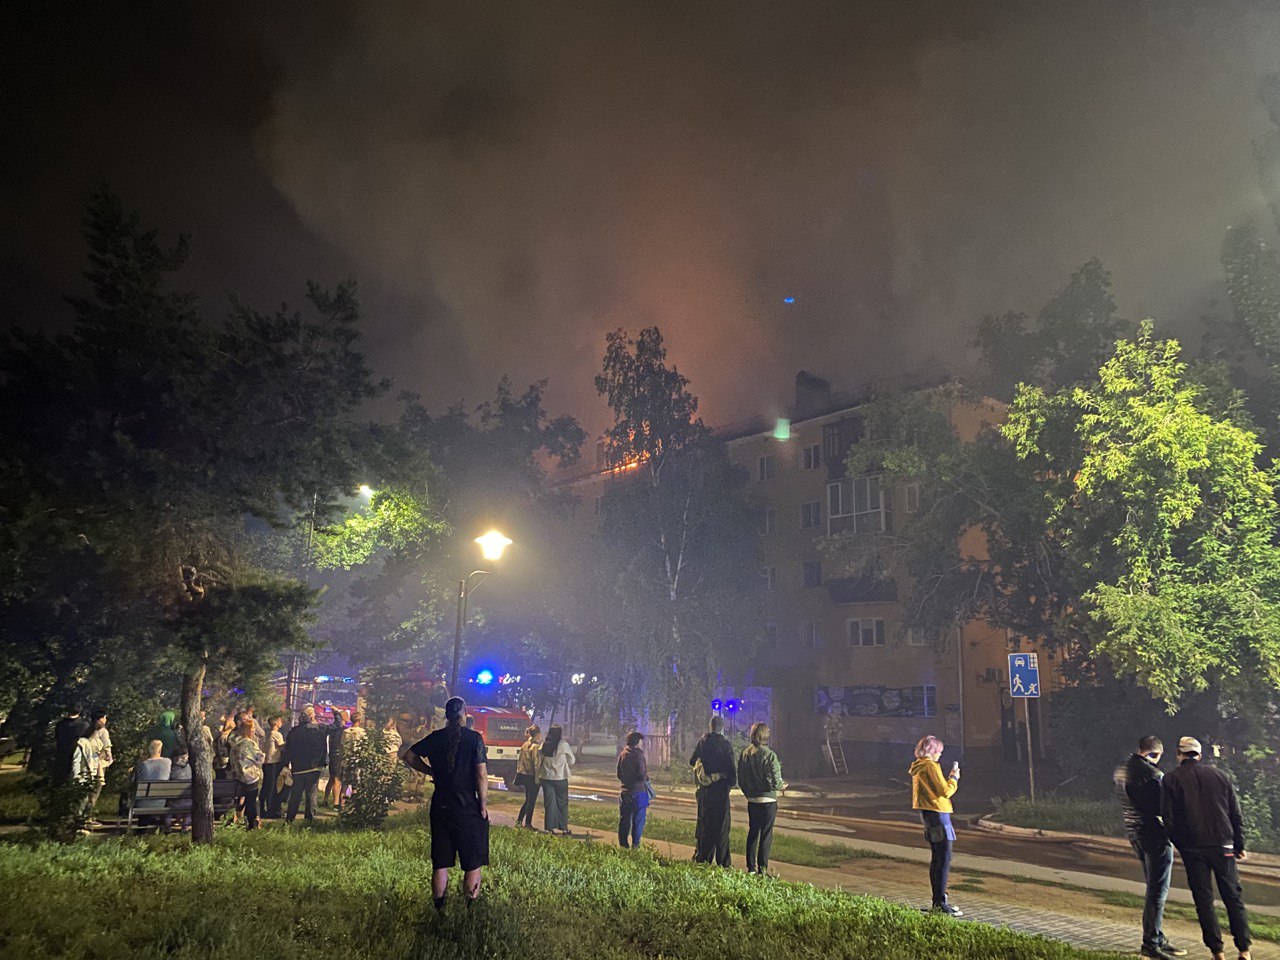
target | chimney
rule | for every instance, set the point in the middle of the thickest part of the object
(813, 395)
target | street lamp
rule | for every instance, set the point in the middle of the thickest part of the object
(491, 546)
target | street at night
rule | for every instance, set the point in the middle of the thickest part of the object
(640, 480)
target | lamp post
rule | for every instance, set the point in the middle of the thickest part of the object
(491, 546)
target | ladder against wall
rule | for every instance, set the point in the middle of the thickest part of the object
(833, 750)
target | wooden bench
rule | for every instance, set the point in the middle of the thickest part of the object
(174, 797)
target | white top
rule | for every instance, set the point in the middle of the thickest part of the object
(275, 744)
(556, 766)
(105, 759)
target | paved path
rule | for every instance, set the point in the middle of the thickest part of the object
(1036, 914)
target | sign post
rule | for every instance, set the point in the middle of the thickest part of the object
(1024, 683)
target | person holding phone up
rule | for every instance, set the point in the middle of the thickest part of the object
(931, 794)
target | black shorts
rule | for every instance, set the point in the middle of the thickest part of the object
(461, 836)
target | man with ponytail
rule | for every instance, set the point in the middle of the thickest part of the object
(456, 761)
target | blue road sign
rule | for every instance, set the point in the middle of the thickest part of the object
(1024, 675)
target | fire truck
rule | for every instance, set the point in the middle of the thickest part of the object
(416, 698)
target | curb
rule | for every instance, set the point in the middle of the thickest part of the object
(1262, 866)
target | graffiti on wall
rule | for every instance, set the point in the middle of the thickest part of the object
(876, 701)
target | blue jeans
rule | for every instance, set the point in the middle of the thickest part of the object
(1157, 866)
(632, 810)
(530, 802)
(940, 835)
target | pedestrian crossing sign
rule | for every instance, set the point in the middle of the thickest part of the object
(1024, 675)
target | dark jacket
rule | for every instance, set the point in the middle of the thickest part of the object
(716, 754)
(306, 747)
(633, 769)
(1200, 808)
(1137, 783)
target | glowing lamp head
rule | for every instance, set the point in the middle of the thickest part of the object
(492, 544)
(366, 491)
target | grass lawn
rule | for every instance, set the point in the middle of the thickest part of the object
(786, 848)
(299, 893)
(1069, 814)
(17, 802)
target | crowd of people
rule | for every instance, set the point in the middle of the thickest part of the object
(1193, 809)
(273, 772)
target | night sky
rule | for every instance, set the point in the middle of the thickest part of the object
(510, 180)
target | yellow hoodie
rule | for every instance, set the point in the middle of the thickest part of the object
(930, 790)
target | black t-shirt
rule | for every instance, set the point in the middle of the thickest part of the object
(456, 788)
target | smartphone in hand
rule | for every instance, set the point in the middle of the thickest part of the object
(955, 769)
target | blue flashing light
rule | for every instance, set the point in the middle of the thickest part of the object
(788, 300)
(716, 705)
(484, 677)
(732, 705)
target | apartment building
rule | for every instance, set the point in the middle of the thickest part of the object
(844, 662)
(841, 663)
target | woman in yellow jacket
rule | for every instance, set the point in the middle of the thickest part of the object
(931, 794)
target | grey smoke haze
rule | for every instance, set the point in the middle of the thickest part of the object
(511, 180)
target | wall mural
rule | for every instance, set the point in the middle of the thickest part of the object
(875, 701)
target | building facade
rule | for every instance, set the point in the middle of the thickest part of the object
(841, 667)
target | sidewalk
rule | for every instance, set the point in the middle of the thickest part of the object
(1026, 907)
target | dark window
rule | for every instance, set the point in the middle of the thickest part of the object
(810, 515)
(838, 437)
(812, 635)
(768, 520)
(813, 573)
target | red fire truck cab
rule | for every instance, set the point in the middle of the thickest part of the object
(503, 732)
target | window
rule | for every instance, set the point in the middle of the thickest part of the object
(916, 637)
(838, 437)
(770, 577)
(928, 700)
(764, 468)
(812, 635)
(866, 633)
(768, 520)
(813, 573)
(811, 457)
(771, 634)
(810, 515)
(911, 497)
(860, 504)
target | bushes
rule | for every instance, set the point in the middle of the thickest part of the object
(377, 781)
(362, 894)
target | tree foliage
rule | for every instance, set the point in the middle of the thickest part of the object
(136, 448)
(679, 556)
(1169, 514)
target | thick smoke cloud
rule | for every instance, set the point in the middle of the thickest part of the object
(552, 170)
(510, 180)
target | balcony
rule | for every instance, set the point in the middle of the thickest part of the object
(863, 590)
